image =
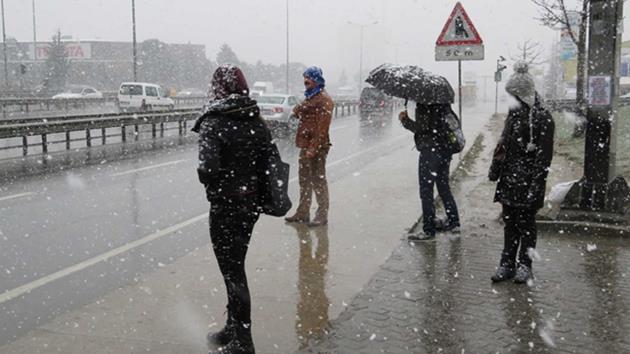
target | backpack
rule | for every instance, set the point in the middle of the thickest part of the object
(454, 133)
(273, 181)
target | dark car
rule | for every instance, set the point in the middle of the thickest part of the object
(374, 102)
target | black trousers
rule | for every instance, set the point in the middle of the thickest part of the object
(519, 235)
(231, 225)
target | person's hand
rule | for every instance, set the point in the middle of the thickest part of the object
(310, 154)
(403, 115)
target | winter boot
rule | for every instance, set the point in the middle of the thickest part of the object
(221, 337)
(503, 273)
(242, 343)
(297, 218)
(523, 274)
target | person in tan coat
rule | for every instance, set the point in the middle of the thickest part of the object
(313, 139)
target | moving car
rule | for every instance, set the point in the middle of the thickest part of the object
(78, 91)
(277, 110)
(191, 92)
(261, 88)
(142, 96)
(374, 102)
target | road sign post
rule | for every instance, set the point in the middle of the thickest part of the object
(458, 41)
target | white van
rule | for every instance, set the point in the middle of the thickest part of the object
(141, 96)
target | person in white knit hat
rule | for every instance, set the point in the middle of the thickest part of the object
(520, 165)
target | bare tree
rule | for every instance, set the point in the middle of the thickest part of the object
(555, 14)
(530, 51)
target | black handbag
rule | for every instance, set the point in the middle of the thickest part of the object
(273, 178)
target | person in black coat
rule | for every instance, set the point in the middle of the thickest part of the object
(520, 165)
(232, 136)
(431, 138)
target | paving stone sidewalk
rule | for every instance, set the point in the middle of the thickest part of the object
(437, 296)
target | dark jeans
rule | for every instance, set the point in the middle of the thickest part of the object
(433, 169)
(231, 225)
(519, 230)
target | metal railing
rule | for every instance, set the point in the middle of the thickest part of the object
(29, 128)
(34, 104)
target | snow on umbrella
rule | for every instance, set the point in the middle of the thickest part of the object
(412, 83)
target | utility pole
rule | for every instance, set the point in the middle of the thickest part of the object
(601, 189)
(135, 48)
(362, 26)
(34, 31)
(4, 49)
(287, 86)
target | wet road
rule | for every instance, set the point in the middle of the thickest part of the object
(56, 230)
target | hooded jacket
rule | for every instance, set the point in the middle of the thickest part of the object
(522, 160)
(232, 136)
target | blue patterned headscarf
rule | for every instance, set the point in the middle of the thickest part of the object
(314, 73)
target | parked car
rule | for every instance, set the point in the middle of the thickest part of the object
(141, 96)
(78, 91)
(374, 102)
(277, 110)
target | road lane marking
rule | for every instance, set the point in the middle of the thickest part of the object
(27, 288)
(15, 196)
(148, 168)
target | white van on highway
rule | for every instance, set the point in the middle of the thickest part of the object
(141, 96)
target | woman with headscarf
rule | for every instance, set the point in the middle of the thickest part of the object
(232, 136)
(520, 165)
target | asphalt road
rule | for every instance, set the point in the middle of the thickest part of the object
(69, 237)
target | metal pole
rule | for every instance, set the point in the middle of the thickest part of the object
(135, 49)
(4, 49)
(361, 61)
(496, 100)
(459, 74)
(287, 86)
(34, 33)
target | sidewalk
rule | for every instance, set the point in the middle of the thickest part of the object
(437, 296)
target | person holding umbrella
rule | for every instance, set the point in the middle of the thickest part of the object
(434, 161)
(520, 165)
(432, 134)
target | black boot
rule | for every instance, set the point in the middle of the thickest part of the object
(242, 343)
(503, 273)
(221, 337)
(523, 274)
(225, 335)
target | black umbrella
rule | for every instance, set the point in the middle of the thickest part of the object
(412, 83)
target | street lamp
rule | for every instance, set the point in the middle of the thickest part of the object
(361, 26)
(497, 79)
(34, 32)
(287, 77)
(4, 49)
(135, 50)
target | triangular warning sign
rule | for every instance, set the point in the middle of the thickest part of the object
(459, 29)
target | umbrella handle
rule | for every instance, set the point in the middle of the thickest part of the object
(406, 100)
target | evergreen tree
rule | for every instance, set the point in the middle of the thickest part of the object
(227, 56)
(57, 66)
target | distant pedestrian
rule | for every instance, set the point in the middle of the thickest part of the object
(231, 137)
(520, 165)
(431, 138)
(315, 114)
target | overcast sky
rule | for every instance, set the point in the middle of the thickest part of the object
(320, 31)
